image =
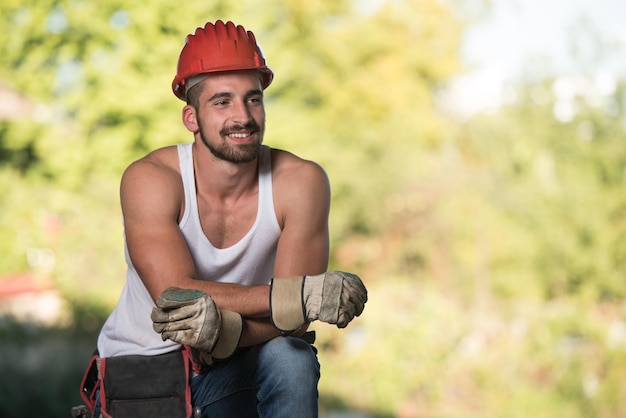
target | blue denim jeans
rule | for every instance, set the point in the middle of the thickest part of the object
(276, 379)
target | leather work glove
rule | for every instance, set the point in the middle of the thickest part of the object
(334, 297)
(190, 317)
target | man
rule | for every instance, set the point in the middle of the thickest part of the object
(207, 226)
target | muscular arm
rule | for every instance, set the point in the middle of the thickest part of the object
(303, 247)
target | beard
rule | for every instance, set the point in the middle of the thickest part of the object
(238, 154)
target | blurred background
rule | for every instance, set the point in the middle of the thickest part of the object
(477, 155)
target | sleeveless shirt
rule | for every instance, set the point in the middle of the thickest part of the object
(250, 261)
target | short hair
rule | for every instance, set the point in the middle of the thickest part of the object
(193, 95)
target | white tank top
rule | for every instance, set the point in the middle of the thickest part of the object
(128, 330)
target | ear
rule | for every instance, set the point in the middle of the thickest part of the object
(189, 119)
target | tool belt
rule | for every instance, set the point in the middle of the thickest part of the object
(139, 386)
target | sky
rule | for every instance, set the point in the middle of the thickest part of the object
(533, 39)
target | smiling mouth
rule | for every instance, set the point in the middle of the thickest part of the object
(242, 137)
(241, 132)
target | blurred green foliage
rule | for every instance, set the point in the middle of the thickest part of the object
(494, 248)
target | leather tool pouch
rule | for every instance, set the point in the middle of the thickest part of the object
(146, 386)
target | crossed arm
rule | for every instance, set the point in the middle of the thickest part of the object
(152, 196)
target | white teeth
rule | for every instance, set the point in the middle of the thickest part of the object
(244, 135)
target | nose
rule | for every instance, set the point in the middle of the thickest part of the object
(241, 113)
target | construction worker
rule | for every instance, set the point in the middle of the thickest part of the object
(227, 246)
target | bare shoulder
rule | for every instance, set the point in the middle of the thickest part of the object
(288, 168)
(152, 180)
(301, 188)
(156, 166)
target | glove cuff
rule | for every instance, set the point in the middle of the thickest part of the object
(230, 334)
(286, 305)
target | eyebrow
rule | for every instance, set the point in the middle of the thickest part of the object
(228, 95)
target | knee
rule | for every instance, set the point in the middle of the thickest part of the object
(293, 359)
(289, 373)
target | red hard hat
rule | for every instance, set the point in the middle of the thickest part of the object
(219, 47)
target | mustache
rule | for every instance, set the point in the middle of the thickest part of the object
(250, 126)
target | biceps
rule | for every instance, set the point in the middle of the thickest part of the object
(302, 250)
(160, 256)
(303, 247)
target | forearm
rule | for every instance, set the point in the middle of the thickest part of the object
(249, 301)
(257, 331)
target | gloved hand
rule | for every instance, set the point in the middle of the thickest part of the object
(334, 297)
(190, 317)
